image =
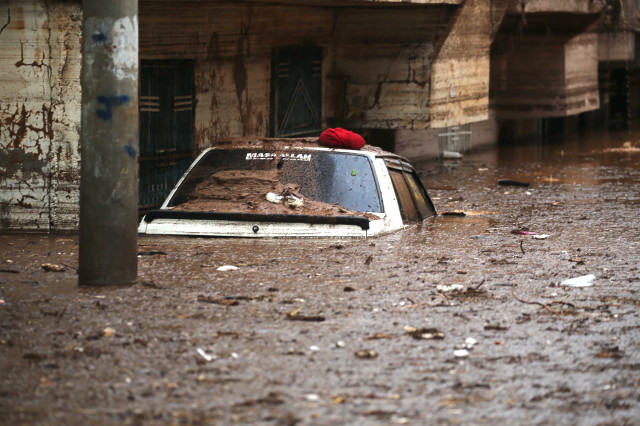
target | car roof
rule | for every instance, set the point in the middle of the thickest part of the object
(254, 142)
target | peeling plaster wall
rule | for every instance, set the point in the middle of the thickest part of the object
(64, 158)
(581, 74)
(39, 114)
(384, 58)
(377, 61)
(231, 44)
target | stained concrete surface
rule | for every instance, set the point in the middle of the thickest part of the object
(323, 331)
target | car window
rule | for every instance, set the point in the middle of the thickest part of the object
(414, 201)
(405, 200)
(245, 176)
(421, 198)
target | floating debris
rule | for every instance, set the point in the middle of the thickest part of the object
(509, 182)
(540, 236)
(496, 327)
(378, 336)
(583, 281)
(461, 353)
(455, 213)
(366, 354)
(627, 147)
(151, 253)
(205, 356)
(424, 333)
(217, 301)
(449, 288)
(470, 342)
(50, 267)
(523, 232)
(225, 268)
(296, 316)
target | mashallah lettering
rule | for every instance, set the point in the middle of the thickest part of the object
(272, 156)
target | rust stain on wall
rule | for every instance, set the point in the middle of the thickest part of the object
(39, 115)
(240, 74)
(18, 124)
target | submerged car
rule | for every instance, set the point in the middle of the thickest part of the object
(291, 188)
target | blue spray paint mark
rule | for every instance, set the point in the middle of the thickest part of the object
(99, 38)
(131, 151)
(110, 102)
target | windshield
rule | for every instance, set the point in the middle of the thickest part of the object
(291, 182)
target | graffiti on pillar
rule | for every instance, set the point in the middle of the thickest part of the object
(109, 102)
(125, 48)
(99, 38)
(131, 151)
(119, 40)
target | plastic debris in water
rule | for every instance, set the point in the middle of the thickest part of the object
(449, 288)
(470, 342)
(523, 232)
(461, 353)
(541, 237)
(290, 200)
(583, 281)
(204, 355)
(227, 268)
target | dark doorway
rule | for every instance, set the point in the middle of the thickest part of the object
(167, 101)
(618, 91)
(296, 91)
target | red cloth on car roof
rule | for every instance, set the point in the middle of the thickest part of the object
(341, 138)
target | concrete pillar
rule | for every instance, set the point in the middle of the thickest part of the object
(109, 143)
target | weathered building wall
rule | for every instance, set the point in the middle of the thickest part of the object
(459, 91)
(555, 6)
(231, 44)
(545, 76)
(460, 74)
(581, 74)
(618, 31)
(377, 60)
(384, 58)
(39, 114)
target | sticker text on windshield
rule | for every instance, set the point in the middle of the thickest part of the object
(291, 156)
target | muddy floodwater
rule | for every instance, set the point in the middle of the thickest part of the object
(463, 319)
